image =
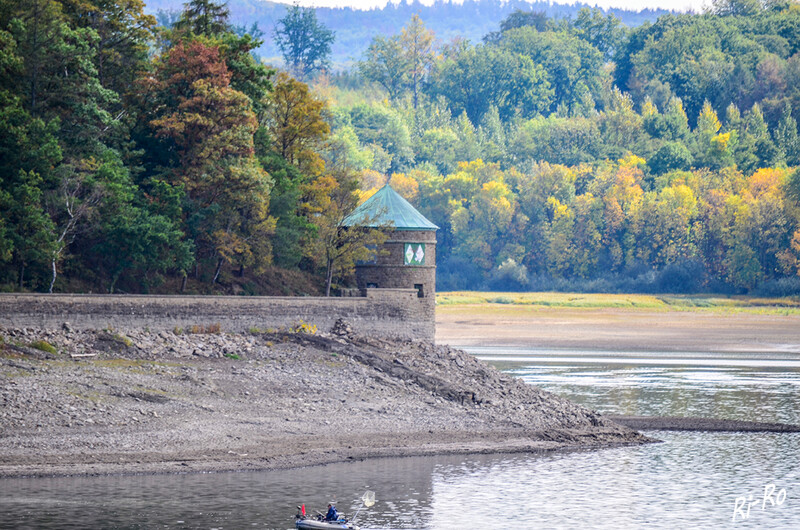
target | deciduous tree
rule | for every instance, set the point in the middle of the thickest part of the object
(472, 79)
(296, 122)
(211, 128)
(572, 66)
(334, 245)
(417, 42)
(304, 42)
(386, 63)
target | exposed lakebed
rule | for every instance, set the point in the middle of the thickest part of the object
(691, 480)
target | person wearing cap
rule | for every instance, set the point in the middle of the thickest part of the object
(332, 515)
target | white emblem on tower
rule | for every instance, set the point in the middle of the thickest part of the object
(420, 254)
(409, 254)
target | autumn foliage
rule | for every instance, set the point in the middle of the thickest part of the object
(554, 154)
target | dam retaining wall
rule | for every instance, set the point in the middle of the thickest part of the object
(387, 313)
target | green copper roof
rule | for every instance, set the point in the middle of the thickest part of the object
(388, 206)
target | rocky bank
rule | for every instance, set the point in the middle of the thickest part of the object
(102, 402)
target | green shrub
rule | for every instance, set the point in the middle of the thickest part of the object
(122, 339)
(231, 356)
(501, 300)
(44, 346)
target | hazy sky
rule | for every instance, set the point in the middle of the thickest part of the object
(637, 5)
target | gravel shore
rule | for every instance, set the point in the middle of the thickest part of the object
(167, 402)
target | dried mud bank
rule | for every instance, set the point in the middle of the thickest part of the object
(162, 402)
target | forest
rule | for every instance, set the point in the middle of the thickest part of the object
(555, 153)
(355, 28)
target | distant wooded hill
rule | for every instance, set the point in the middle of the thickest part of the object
(355, 28)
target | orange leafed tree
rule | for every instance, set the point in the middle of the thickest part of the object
(210, 126)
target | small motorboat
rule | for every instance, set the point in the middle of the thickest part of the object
(318, 522)
(304, 522)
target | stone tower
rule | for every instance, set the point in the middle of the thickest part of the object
(408, 260)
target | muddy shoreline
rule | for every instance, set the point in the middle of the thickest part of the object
(671, 423)
(113, 403)
(617, 329)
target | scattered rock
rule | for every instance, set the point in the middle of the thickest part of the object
(288, 400)
(342, 329)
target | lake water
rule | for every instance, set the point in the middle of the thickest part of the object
(746, 386)
(690, 480)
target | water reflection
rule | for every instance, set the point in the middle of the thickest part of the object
(691, 480)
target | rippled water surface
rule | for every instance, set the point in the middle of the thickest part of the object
(689, 481)
(742, 387)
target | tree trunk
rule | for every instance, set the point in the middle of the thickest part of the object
(216, 273)
(329, 278)
(183, 281)
(241, 271)
(21, 273)
(53, 280)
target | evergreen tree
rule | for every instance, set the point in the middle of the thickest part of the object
(763, 147)
(204, 17)
(786, 138)
(492, 136)
(30, 236)
(124, 37)
(676, 121)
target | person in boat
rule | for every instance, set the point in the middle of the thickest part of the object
(332, 514)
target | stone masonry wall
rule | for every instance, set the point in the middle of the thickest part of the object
(389, 313)
(389, 270)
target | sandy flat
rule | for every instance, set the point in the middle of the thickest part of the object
(623, 330)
